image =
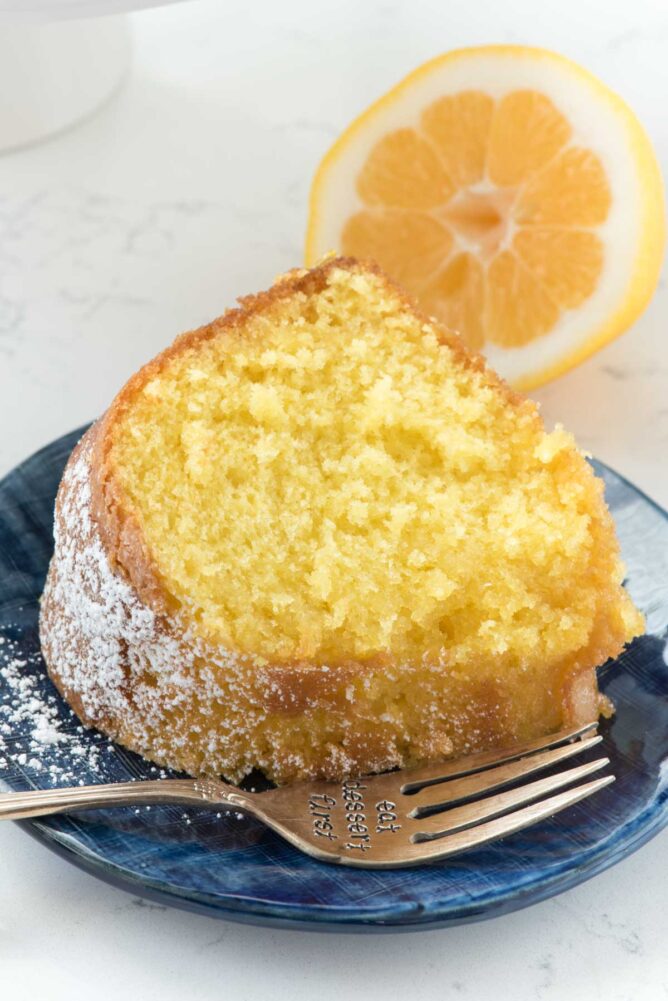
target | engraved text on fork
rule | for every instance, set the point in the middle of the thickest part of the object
(322, 808)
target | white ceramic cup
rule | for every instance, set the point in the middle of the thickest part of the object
(53, 74)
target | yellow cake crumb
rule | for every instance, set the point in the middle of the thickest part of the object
(332, 483)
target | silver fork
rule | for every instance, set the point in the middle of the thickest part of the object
(385, 821)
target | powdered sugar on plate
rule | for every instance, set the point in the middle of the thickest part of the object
(44, 745)
(34, 736)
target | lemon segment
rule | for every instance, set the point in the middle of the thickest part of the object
(515, 195)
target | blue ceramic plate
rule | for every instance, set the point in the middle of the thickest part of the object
(230, 866)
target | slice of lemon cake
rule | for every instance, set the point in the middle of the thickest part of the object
(318, 537)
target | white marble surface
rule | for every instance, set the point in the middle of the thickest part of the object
(187, 189)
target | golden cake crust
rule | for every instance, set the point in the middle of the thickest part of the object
(129, 662)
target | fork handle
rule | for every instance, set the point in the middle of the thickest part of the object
(38, 803)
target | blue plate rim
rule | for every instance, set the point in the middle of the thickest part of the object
(318, 917)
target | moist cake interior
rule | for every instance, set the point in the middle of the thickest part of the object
(329, 482)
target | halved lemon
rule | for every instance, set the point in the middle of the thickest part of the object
(515, 195)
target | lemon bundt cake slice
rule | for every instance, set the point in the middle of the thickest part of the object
(317, 537)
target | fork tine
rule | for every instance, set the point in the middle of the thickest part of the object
(458, 818)
(452, 791)
(429, 774)
(462, 841)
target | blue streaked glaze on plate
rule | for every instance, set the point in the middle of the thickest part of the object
(234, 868)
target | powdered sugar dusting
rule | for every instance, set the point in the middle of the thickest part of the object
(43, 744)
(33, 735)
(104, 620)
